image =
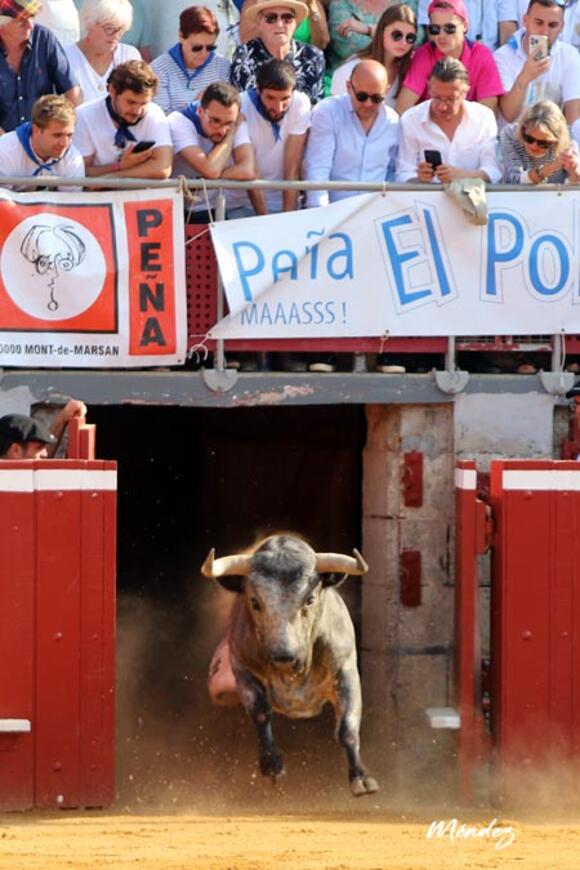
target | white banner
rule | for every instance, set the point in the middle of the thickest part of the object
(404, 264)
(92, 279)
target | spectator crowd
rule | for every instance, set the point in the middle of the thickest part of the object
(316, 90)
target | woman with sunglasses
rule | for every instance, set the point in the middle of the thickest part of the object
(537, 148)
(103, 23)
(392, 45)
(447, 28)
(313, 30)
(192, 63)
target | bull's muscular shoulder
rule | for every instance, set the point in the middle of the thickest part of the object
(335, 627)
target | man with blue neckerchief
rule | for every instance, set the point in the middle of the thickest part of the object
(211, 140)
(42, 146)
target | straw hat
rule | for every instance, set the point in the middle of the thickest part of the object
(252, 13)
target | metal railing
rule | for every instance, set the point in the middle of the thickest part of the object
(222, 378)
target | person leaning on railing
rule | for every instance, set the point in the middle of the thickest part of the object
(538, 149)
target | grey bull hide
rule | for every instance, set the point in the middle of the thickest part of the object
(290, 644)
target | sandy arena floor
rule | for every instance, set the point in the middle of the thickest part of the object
(91, 840)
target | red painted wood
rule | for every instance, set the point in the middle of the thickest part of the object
(58, 643)
(16, 644)
(535, 621)
(97, 648)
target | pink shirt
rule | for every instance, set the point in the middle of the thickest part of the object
(476, 58)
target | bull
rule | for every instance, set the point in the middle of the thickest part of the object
(291, 644)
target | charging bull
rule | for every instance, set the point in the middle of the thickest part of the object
(291, 644)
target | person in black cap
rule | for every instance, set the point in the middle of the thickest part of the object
(23, 437)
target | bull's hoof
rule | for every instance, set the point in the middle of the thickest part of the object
(272, 764)
(362, 785)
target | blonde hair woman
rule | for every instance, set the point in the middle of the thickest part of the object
(538, 148)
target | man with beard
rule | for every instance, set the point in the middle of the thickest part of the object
(211, 141)
(125, 134)
(42, 146)
(278, 117)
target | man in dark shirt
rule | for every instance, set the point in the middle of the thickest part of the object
(276, 21)
(32, 63)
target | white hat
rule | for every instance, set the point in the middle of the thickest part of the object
(300, 9)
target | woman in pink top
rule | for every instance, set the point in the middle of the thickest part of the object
(448, 24)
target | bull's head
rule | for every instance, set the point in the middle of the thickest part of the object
(283, 583)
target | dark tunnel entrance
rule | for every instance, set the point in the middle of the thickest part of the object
(189, 480)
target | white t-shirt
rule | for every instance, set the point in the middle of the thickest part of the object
(342, 75)
(62, 17)
(562, 81)
(94, 85)
(15, 161)
(268, 152)
(184, 135)
(95, 131)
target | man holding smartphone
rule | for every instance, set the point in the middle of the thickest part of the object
(535, 65)
(126, 135)
(448, 137)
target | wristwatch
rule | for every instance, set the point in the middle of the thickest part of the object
(540, 170)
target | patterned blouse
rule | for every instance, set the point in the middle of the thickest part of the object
(516, 160)
(307, 60)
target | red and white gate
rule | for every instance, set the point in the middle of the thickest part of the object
(535, 614)
(57, 632)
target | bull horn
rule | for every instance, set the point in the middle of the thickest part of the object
(330, 563)
(227, 565)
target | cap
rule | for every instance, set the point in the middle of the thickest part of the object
(18, 429)
(14, 8)
(455, 6)
(251, 13)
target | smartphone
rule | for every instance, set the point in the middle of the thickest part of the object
(434, 158)
(538, 46)
(143, 146)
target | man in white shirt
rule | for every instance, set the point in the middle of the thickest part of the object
(460, 135)
(42, 146)
(528, 77)
(212, 141)
(125, 135)
(278, 117)
(353, 137)
(571, 30)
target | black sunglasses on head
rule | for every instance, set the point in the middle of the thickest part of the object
(435, 29)
(398, 35)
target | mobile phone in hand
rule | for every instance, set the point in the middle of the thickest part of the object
(538, 46)
(434, 158)
(144, 145)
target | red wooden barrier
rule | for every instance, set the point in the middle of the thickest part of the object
(470, 514)
(57, 633)
(535, 613)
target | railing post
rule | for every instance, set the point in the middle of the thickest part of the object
(220, 379)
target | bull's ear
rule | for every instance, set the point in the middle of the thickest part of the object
(231, 583)
(332, 579)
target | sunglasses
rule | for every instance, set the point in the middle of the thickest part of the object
(362, 97)
(435, 29)
(273, 17)
(541, 143)
(398, 35)
(198, 48)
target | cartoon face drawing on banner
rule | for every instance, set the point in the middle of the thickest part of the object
(52, 268)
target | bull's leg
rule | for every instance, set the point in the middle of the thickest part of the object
(256, 704)
(348, 715)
